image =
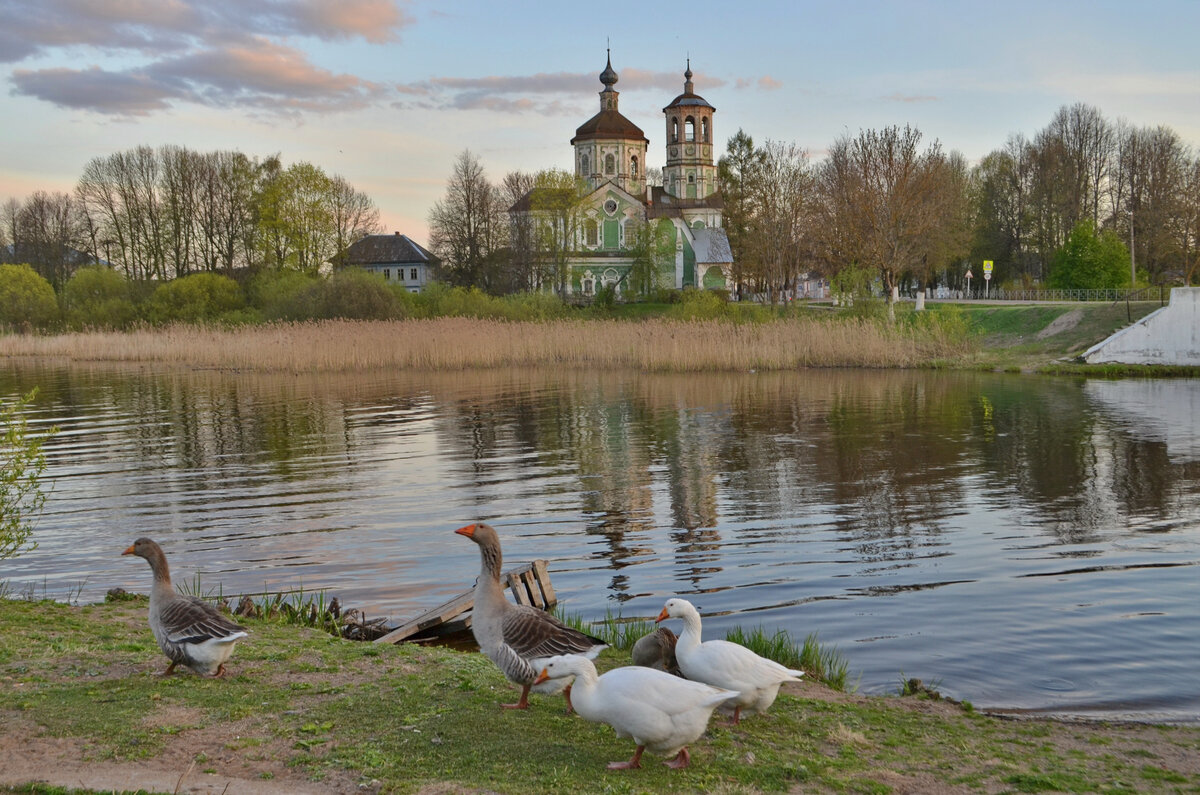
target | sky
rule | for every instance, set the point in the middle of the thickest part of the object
(388, 93)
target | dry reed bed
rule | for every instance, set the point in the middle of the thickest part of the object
(460, 343)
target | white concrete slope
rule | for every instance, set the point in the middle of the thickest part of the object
(1170, 335)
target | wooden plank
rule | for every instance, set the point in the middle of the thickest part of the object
(529, 583)
(543, 577)
(438, 615)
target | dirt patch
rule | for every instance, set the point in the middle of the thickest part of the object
(1061, 323)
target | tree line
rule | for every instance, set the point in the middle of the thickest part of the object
(1055, 211)
(883, 206)
(158, 214)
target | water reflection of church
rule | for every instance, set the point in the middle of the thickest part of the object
(684, 212)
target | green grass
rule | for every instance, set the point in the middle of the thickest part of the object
(300, 705)
(825, 664)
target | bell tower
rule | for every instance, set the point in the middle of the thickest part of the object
(689, 172)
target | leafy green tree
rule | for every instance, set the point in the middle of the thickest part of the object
(26, 298)
(98, 297)
(653, 250)
(200, 297)
(739, 173)
(21, 466)
(556, 207)
(1090, 261)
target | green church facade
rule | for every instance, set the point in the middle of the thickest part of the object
(632, 236)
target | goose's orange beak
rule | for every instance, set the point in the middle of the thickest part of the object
(544, 676)
(468, 531)
(128, 551)
(662, 616)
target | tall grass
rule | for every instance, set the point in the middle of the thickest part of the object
(452, 343)
(823, 663)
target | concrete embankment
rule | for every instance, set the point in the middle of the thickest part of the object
(1168, 336)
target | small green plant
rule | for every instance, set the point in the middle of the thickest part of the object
(22, 464)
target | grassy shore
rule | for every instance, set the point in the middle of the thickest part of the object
(82, 705)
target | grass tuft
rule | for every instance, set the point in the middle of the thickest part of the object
(823, 663)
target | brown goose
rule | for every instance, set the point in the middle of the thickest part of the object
(518, 638)
(188, 630)
(657, 650)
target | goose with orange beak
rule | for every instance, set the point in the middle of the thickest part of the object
(518, 638)
(727, 665)
(659, 711)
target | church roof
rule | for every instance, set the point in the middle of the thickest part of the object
(609, 124)
(711, 246)
(664, 205)
(689, 97)
(388, 250)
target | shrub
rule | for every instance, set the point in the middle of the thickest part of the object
(21, 465)
(534, 306)
(197, 298)
(700, 305)
(284, 294)
(98, 297)
(26, 299)
(356, 294)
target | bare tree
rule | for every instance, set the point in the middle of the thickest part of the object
(354, 216)
(522, 273)
(469, 225)
(180, 191)
(48, 233)
(1188, 230)
(885, 202)
(781, 193)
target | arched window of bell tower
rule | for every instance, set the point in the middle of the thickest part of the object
(633, 167)
(674, 129)
(689, 129)
(704, 129)
(610, 164)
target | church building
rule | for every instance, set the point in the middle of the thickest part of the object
(628, 234)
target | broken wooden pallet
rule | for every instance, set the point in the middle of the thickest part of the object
(529, 584)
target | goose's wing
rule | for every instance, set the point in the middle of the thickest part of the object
(534, 634)
(187, 619)
(731, 665)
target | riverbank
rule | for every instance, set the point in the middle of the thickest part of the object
(300, 711)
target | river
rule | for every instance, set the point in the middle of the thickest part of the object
(1027, 543)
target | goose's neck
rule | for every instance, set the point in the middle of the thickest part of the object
(489, 569)
(690, 637)
(162, 576)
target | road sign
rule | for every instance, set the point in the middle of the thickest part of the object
(987, 267)
(969, 276)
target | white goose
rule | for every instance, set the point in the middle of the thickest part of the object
(518, 638)
(724, 664)
(188, 629)
(658, 710)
